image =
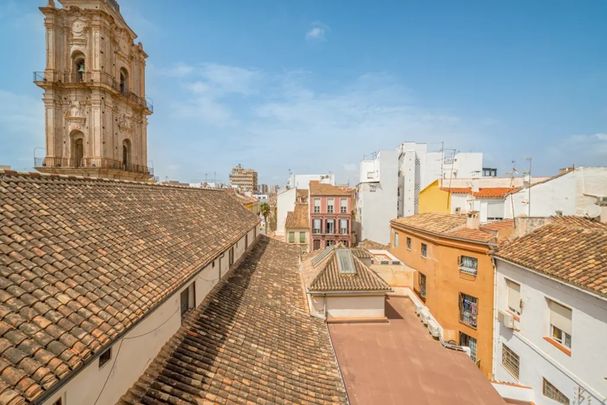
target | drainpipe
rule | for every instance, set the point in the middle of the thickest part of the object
(494, 320)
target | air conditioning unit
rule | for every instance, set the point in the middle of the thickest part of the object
(506, 319)
(433, 328)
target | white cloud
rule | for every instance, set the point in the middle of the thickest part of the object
(226, 118)
(580, 149)
(317, 32)
(211, 87)
(21, 128)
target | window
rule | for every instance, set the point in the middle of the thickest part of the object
(77, 149)
(343, 205)
(513, 291)
(188, 299)
(343, 226)
(424, 250)
(330, 205)
(468, 341)
(395, 239)
(246, 241)
(124, 84)
(316, 226)
(105, 357)
(330, 243)
(422, 285)
(550, 391)
(408, 243)
(316, 205)
(316, 244)
(291, 237)
(126, 154)
(330, 226)
(510, 361)
(231, 256)
(468, 264)
(468, 309)
(560, 323)
(302, 237)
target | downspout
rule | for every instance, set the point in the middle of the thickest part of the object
(494, 320)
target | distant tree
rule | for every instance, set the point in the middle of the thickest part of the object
(265, 211)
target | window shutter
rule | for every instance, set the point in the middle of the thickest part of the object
(560, 316)
(514, 295)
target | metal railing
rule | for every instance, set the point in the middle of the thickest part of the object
(91, 163)
(93, 78)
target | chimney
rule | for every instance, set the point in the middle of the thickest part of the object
(473, 220)
(475, 185)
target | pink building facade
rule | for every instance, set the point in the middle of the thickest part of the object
(331, 210)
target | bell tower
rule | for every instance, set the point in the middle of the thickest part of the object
(94, 92)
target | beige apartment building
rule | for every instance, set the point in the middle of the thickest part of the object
(244, 179)
(94, 93)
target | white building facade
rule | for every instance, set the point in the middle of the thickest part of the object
(302, 181)
(579, 374)
(390, 183)
(571, 193)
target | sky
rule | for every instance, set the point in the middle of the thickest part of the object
(314, 86)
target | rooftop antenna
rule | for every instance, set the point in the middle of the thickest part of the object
(514, 171)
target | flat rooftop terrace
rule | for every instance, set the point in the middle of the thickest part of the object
(400, 363)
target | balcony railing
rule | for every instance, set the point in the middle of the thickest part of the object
(93, 78)
(91, 163)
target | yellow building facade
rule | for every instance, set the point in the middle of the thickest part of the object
(454, 275)
(433, 199)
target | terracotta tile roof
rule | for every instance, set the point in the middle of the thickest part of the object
(571, 249)
(493, 192)
(432, 221)
(82, 260)
(361, 253)
(370, 244)
(322, 189)
(298, 219)
(454, 226)
(301, 195)
(251, 343)
(326, 275)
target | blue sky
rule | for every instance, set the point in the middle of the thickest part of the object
(312, 86)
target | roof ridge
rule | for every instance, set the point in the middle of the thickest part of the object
(46, 177)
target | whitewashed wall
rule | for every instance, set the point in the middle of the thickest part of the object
(377, 208)
(285, 202)
(132, 354)
(355, 306)
(585, 370)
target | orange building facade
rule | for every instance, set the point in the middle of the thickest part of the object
(454, 274)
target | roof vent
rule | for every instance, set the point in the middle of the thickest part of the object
(345, 262)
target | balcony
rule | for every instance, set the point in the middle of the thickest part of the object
(92, 78)
(90, 163)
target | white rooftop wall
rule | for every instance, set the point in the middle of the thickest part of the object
(570, 194)
(285, 202)
(302, 181)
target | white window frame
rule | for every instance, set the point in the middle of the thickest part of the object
(317, 205)
(330, 205)
(468, 265)
(343, 205)
(560, 328)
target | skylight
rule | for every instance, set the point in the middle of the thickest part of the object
(345, 262)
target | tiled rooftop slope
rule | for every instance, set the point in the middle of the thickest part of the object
(81, 260)
(252, 343)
